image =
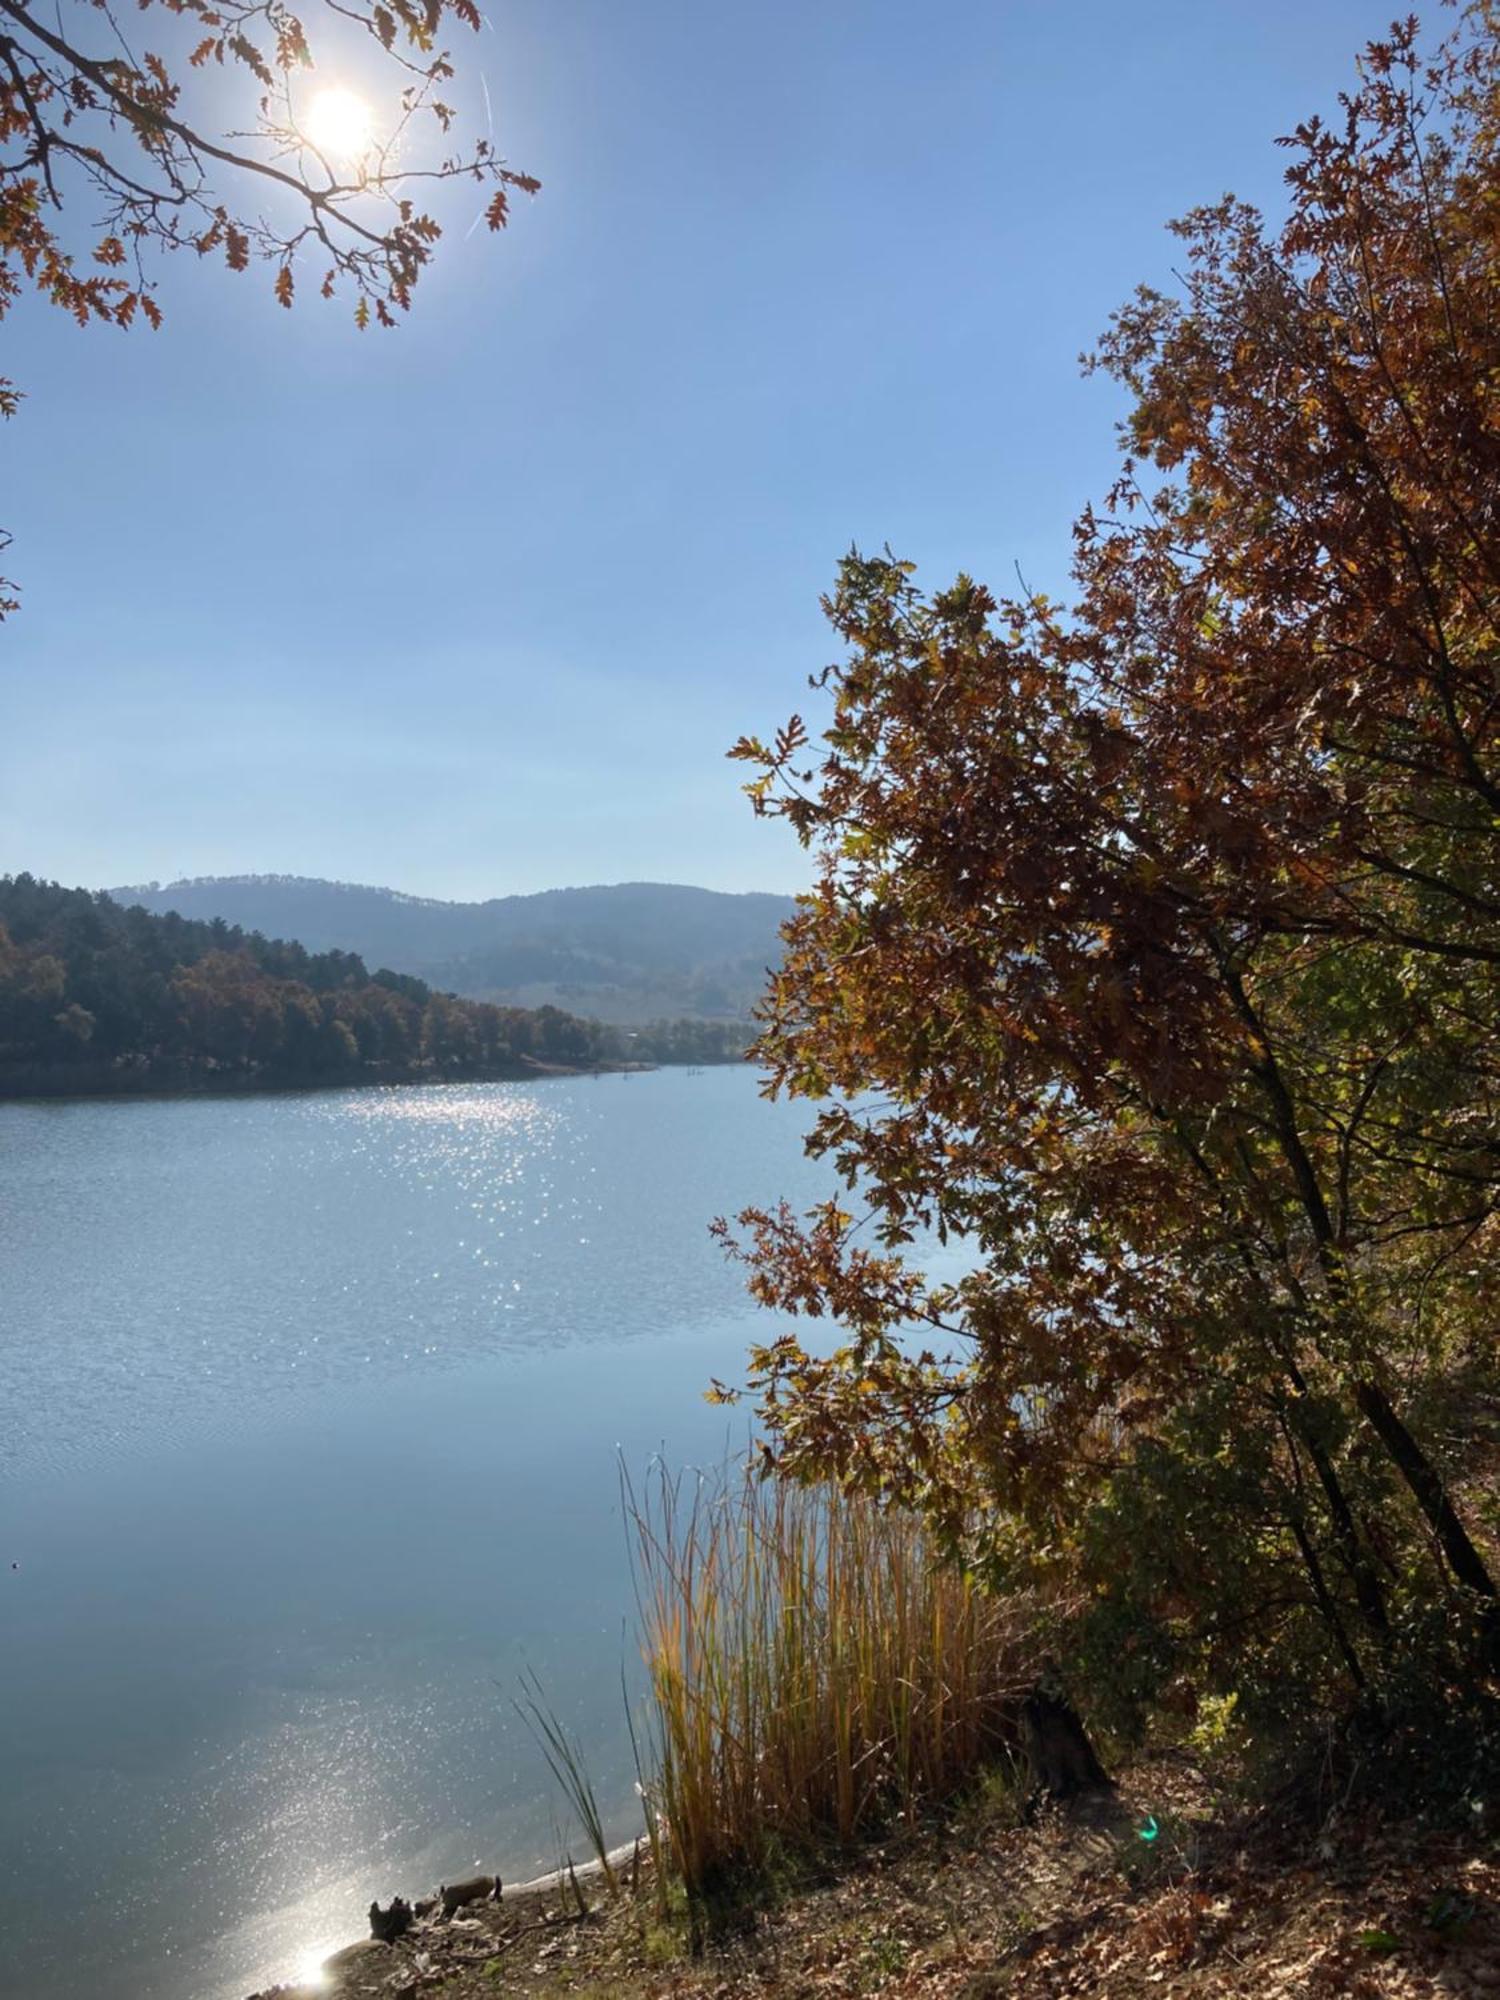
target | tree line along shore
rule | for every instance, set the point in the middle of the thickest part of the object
(101, 999)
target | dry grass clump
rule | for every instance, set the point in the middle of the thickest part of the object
(817, 1672)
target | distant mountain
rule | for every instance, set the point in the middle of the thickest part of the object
(637, 951)
(98, 998)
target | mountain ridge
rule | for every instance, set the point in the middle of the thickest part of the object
(628, 952)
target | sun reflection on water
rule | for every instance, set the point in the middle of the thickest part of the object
(381, 1348)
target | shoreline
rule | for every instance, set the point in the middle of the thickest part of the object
(345, 1969)
(1234, 1902)
(145, 1081)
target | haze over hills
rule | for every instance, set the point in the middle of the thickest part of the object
(630, 952)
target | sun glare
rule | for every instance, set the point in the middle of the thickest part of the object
(338, 124)
(310, 1972)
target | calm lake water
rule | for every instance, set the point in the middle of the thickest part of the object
(311, 1413)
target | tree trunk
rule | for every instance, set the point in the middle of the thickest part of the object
(1426, 1483)
(1326, 1605)
(1415, 1467)
(1058, 1753)
(1368, 1590)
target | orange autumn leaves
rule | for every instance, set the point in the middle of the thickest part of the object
(1153, 945)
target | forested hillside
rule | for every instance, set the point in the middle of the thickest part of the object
(94, 996)
(631, 952)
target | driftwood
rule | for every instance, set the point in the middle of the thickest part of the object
(388, 1925)
(479, 1888)
(427, 1977)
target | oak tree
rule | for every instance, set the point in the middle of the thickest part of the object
(1153, 950)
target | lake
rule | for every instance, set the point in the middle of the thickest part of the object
(312, 1410)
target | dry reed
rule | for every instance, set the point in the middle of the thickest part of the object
(817, 1672)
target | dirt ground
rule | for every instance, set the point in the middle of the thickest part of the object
(1148, 1893)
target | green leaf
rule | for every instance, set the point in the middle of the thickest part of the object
(1382, 1942)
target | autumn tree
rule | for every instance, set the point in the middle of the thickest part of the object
(226, 128)
(1152, 954)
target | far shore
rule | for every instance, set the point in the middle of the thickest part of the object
(79, 1081)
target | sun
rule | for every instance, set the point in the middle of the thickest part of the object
(338, 124)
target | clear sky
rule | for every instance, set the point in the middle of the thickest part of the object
(477, 606)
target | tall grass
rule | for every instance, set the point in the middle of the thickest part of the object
(816, 1672)
(566, 1763)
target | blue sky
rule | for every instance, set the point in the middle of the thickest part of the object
(476, 607)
